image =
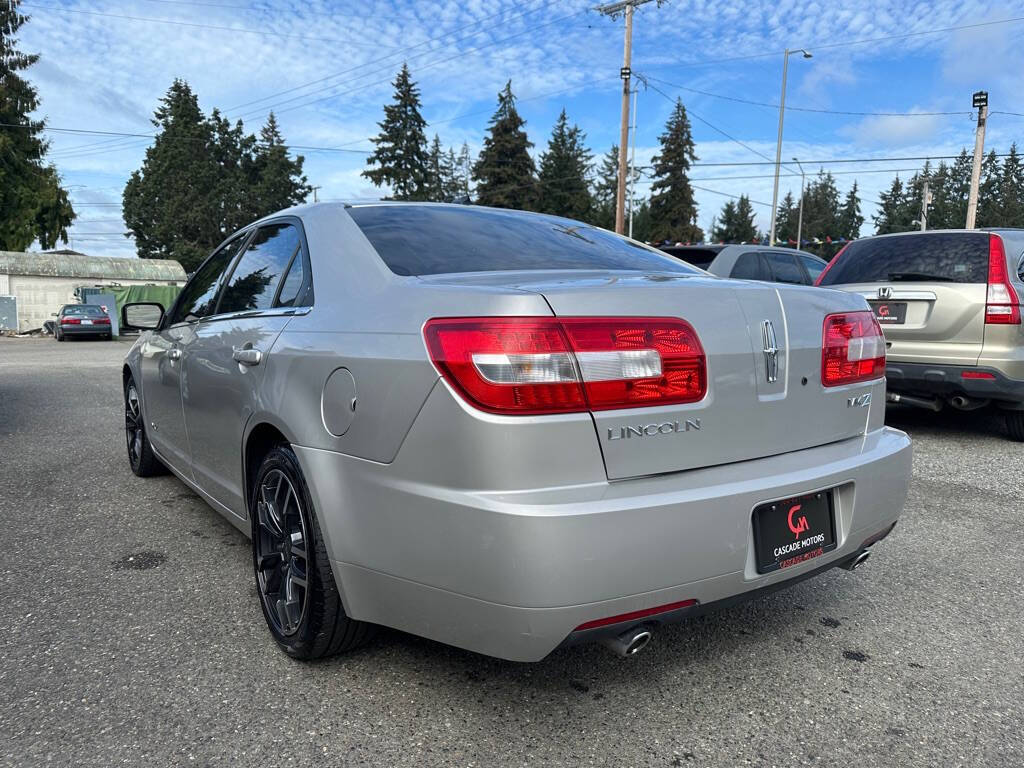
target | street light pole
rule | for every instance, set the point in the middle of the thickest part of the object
(800, 217)
(778, 143)
(980, 100)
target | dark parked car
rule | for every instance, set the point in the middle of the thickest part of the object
(81, 320)
(752, 262)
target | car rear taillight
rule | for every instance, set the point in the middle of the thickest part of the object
(852, 349)
(101, 320)
(1002, 307)
(830, 264)
(70, 321)
(539, 365)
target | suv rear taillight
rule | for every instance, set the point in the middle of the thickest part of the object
(540, 365)
(830, 265)
(1002, 307)
(852, 349)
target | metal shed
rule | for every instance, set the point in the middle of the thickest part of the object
(40, 283)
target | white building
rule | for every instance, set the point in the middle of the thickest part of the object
(35, 285)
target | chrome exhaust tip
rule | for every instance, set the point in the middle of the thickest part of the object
(858, 561)
(629, 643)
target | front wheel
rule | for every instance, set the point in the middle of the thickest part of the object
(298, 594)
(1015, 425)
(143, 461)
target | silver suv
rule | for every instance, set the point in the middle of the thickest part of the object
(949, 303)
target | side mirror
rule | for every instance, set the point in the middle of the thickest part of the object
(53, 314)
(142, 316)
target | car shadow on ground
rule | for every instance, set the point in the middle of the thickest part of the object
(983, 422)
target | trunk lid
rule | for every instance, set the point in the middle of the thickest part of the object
(928, 291)
(744, 415)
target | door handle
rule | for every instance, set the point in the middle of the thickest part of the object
(247, 355)
(174, 354)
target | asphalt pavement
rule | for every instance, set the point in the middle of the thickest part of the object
(131, 632)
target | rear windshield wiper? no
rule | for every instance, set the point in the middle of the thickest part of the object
(919, 276)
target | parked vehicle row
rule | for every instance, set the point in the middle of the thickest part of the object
(752, 262)
(509, 431)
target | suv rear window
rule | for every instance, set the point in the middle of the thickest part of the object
(951, 257)
(698, 257)
(434, 240)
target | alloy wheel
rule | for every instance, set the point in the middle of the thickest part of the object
(281, 556)
(133, 427)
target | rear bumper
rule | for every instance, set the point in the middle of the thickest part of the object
(948, 380)
(85, 330)
(513, 575)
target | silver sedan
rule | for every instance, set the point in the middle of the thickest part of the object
(507, 431)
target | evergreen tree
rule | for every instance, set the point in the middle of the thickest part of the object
(169, 204)
(850, 219)
(895, 214)
(735, 224)
(641, 220)
(461, 173)
(563, 189)
(673, 209)
(606, 187)
(821, 208)
(281, 183)
(959, 190)
(33, 204)
(400, 156)
(203, 178)
(940, 211)
(434, 186)
(786, 220)
(504, 173)
(989, 185)
(1011, 190)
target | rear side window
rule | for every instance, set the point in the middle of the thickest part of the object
(254, 281)
(698, 257)
(952, 257)
(813, 266)
(429, 240)
(749, 267)
(784, 268)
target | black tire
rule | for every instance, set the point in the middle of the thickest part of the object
(1015, 425)
(280, 508)
(58, 336)
(141, 458)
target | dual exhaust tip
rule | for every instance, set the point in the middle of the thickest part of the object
(635, 639)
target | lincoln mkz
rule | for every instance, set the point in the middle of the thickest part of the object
(510, 432)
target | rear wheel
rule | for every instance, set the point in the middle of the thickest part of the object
(298, 594)
(58, 335)
(1015, 425)
(143, 461)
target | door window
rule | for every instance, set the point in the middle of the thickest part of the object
(254, 281)
(813, 266)
(784, 268)
(749, 267)
(199, 296)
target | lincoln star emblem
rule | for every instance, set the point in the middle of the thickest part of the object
(771, 351)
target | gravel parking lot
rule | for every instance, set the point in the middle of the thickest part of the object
(133, 634)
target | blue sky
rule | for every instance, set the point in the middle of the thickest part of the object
(326, 67)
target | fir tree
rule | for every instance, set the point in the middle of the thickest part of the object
(281, 183)
(786, 220)
(735, 223)
(673, 209)
(33, 204)
(504, 173)
(434, 186)
(850, 219)
(894, 214)
(1011, 190)
(400, 157)
(563, 189)
(989, 185)
(605, 188)
(463, 168)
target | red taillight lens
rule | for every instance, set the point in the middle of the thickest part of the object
(101, 320)
(635, 615)
(830, 264)
(70, 321)
(985, 375)
(537, 365)
(852, 350)
(1002, 307)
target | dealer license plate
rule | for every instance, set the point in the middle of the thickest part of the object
(890, 312)
(793, 531)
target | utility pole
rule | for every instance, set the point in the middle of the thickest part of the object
(800, 216)
(980, 100)
(613, 9)
(778, 143)
(314, 193)
(926, 200)
(632, 166)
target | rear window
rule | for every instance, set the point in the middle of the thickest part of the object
(429, 240)
(83, 309)
(952, 257)
(698, 257)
